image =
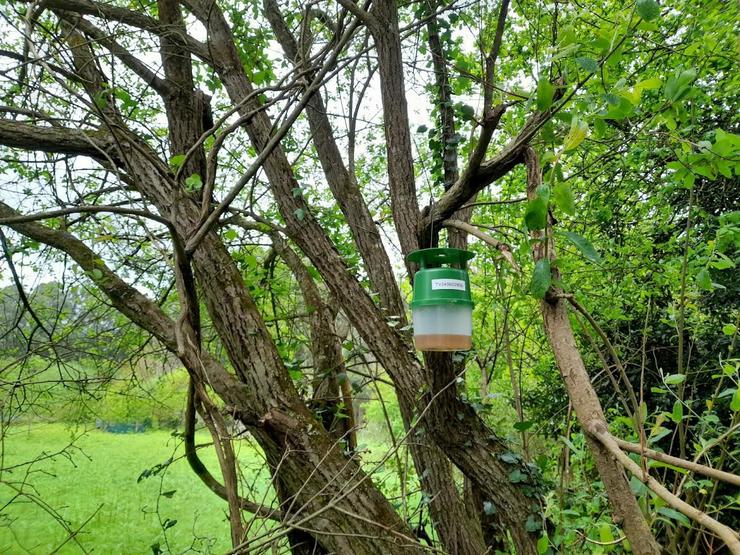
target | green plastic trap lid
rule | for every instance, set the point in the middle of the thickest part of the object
(442, 277)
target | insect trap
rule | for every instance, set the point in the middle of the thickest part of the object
(442, 308)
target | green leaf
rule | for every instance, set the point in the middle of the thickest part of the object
(516, 476)
(541, 279)
(605, 533)
(523, 426)
(177, 161)
(193, 183)
(543, 192)
(564, 198)
(467, 112)
(169, 494)
(720, 262)
(101, 100)
(509, 458)
(584, 245)
(545, 93)
(623, 109)
(674, 379)
(678, 86)
(489, 508)
(230, 234)
(729, 329)
(535, 215)
(576, 135)
(675, 515)
(533, 523)
(704, 280)
(588, 64)
(677, 414)
(648, 9)
(648, 84)
(300, 213)
(542, 545)
(735, 403)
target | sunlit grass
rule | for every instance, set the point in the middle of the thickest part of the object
(98, 481)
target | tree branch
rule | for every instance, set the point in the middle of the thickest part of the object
(130, 302)
(493, 56)
(486, 238)
(200, 470)
(127, 17)
(728, 477)
(730, 537)
(131, 61)
(98, 144)
(343, 185)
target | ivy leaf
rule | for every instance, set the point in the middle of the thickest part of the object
(467, 112)
(300, 213)
(489, 508)
(542, 545)
(230, 234)
(564, 198)
(541, 279)
(533, 523)
(509, 458)
(516, 476)
(648, 9)
(584, 245)
(535, 216)
(177, 161)
(588, 64)
(193, 183)
(545, 93)
(578, 132)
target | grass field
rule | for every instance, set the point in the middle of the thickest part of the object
(99, 482)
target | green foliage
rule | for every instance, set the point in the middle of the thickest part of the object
(641, 165)
(100, 474)
(541, 278)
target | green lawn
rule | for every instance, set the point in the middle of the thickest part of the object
(102, 476)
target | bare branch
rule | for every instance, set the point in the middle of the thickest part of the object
(493, 56)
(729, 536)
(486, 238)
(728, 477)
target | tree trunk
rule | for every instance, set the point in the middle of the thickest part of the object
(582, 395)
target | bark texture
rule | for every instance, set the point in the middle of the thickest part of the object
(326, 501)
(581, 392)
